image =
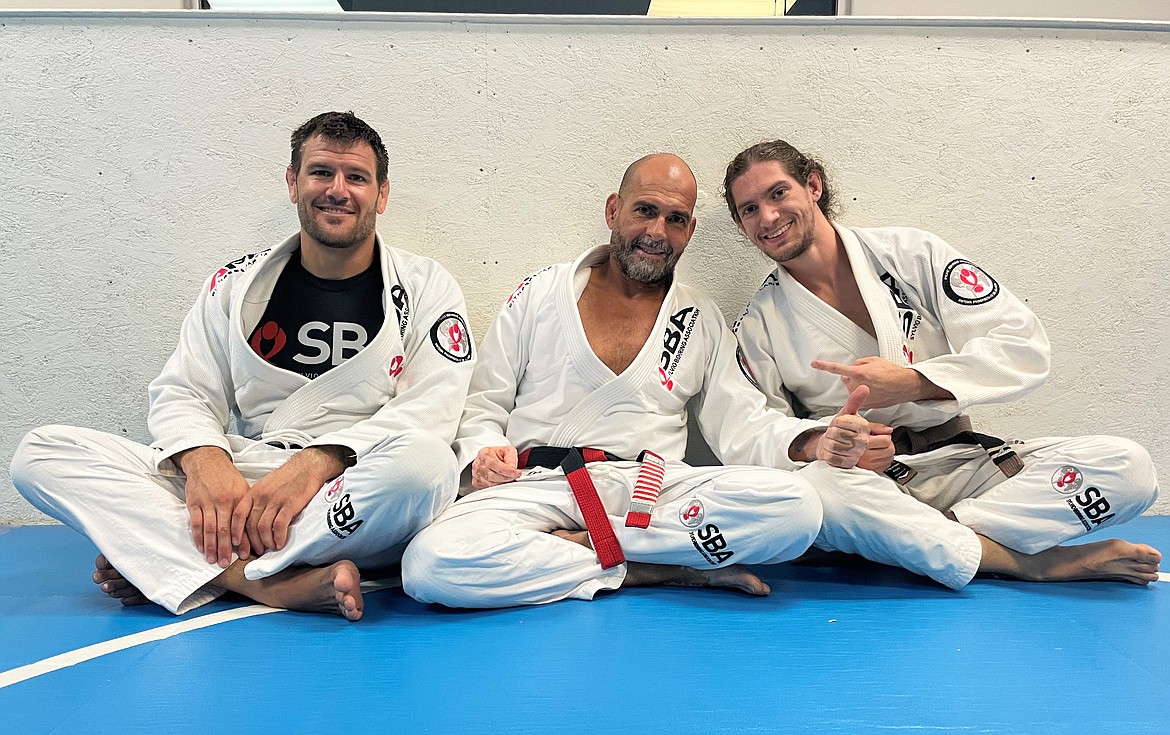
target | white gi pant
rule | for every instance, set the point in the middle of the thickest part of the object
(493, 548)
(107, 488)
(1068, 487)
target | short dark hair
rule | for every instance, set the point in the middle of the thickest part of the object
(341, 127)
(798, 166)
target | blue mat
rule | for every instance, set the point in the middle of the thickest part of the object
(858, 648)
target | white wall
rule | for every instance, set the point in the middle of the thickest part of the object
(1131, 9)
(140, 152)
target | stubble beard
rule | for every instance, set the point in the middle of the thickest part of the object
(640, 269)
(797, 250)
(357, 234)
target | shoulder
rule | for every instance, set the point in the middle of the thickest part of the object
(895, 239)
(535, 285)
(415, 268)
(227, 274)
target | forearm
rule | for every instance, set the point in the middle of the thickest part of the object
(322, 463)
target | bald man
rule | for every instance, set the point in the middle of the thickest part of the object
(574, 432)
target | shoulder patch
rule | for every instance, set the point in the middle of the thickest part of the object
(451, 338)
(966, 283)
(239, 265)
(524, 285)
(401, 301)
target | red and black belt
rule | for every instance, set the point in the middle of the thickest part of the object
(572, 461)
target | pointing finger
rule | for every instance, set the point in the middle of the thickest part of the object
(835, 368)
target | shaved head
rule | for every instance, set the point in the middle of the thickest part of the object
(662, 167)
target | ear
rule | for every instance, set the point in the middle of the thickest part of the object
(383, 196)
(691, 228)
(290, 178)
(611, 209)
(815, 185)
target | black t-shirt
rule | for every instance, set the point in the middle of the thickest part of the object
(312, 324)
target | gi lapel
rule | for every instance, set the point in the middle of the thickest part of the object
(877, 300)
(608, 388)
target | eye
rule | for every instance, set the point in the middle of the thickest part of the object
(779, 193)
(644, 210)
(746, 210)
(357, 177)
(678, 219)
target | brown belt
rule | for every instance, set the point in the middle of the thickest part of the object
(957, 431)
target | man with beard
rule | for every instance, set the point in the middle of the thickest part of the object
(343, 364)
(901, 312)
(593, 363)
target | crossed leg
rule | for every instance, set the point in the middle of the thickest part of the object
(333, 589)
(639, 574)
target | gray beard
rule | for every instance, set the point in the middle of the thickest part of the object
(636, 269)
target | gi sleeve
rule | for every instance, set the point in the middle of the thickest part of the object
(1000, 350)
(734, 416)
(436, 368)
(503, 360)
(191, 399)
(754, 356)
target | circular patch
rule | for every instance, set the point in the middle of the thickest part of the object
(333, 491)
(692, 512)
(451, 337)
(1067, 480)
(967, 284)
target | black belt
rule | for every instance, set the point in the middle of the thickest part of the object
(552, 457)
(283, 445)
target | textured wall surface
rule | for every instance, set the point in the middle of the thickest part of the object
(139, 152)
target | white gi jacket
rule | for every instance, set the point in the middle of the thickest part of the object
(412, 375)
(539, 383)
(933, 310)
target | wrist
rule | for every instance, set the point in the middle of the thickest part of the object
(926, 390)
(804, 447)
(197, 459)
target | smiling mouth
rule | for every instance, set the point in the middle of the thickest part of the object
(334, 210)
(776, 233)
(655, 250)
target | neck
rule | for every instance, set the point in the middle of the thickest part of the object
(334, 264)
(825, 263)
(608, 275)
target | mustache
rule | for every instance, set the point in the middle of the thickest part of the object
(645, 242)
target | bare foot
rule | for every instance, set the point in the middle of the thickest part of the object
(333, 589)
(1113, 560)
(112, 582)
(734, 577)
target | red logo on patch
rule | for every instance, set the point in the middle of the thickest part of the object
(333, 490)
(455, 332)
(396, 366)
(971, 278)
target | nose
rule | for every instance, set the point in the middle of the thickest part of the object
(657, 228)
(768, 215)
(338, 191)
